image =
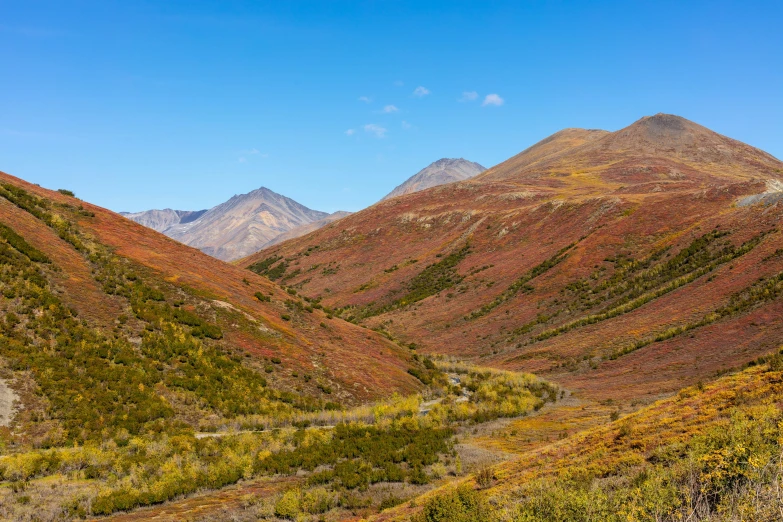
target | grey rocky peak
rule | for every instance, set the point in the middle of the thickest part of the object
(234, 229)
(160, 220)
(445, 170)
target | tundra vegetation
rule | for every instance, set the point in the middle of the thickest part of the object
(713, 452)
(627, 265)
(161, 407)
(111, 419)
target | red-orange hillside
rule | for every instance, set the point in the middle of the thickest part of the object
(579, 248)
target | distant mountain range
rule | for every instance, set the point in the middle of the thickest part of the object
(236, 228)
(161, 220)
(446, 170)
(247, 223)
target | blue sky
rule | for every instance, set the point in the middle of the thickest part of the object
(182, 104)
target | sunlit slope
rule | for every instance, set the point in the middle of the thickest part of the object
(657, 148)
(711, 452)
(303, 350)
(616, 263)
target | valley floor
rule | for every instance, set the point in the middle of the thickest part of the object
(481, 445)
(485, 444)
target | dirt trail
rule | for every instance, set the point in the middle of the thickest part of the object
(7, 399)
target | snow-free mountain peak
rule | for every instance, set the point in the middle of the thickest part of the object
(445, 170)
(236, 228)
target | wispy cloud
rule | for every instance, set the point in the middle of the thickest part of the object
(469, 96)
(377, 130)
(350, 132)
(251, 152)
(421, 92)
(254, 152)
(390, 108)
(406, 125)
(493, 99)
(399, 83)
(365, 99)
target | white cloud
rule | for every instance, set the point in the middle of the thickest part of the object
(399, 83)
(372, 128)
(492, 99)
(406, 125)
(421, 92)
(251, 152)
(365, 99)
(469, 96)
(350, 132)
(390, 108)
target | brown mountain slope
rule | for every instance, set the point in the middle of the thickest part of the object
(615, 263)
(283, 327)
(546, 150)
(302, 230)
(674, 148)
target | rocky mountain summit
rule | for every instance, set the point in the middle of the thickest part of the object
(236, 228)
(445, 170)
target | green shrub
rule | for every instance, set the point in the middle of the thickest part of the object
(16, 241)
(289, 505)
(521, 284)
(461, 505)
(317, 501)
(207, 330)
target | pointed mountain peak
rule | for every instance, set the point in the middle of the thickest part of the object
(260, 192)
(235, 228)
(667, 130)
(444, 170)
(444, 162)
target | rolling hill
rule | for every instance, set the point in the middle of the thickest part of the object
(123, 280)
(621, 264)
(711, 452)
